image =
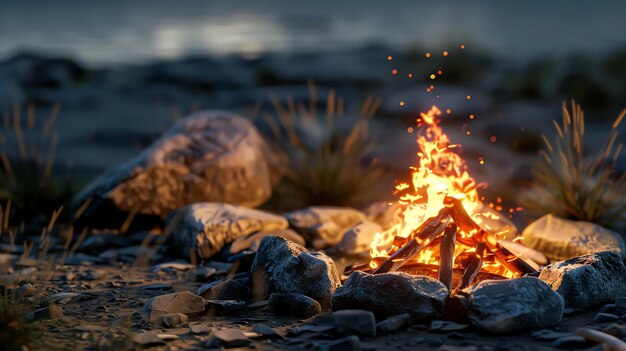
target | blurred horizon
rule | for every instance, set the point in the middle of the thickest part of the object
(139, 31)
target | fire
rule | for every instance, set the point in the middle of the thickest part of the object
(440, 172)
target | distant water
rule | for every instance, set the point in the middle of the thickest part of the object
(130, 31)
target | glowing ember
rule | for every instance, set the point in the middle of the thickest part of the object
(440, 172)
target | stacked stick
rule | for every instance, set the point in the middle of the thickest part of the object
(448, 223)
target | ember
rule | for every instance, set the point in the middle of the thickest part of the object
(441, 217)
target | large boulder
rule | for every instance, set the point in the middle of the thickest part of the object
(503, 306)
(588, 281)
(323, 226)
(390, 294)
(282, 266)
(209, 156)
(205, 228)
(560, 239)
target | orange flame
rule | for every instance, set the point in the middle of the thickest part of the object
(440, 172)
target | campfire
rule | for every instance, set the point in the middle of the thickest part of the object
(442, 228)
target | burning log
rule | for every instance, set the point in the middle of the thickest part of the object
(473, 267)
(422, 237)
(446, 253)
(467, 224)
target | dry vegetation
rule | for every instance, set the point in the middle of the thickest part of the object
(327, 153)
(573, 184)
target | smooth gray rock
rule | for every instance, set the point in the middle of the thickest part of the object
(232, 289)
(294, 305)
(204, 228)
(355, 322)
(391, 294)
(561, 239)
(181, 302)
(281, 266)
(588, 281)
(503, 306)
(323, 226)
(212, 156)
(359, 237)
(394, 323)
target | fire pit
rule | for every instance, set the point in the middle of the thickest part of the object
(436, 228)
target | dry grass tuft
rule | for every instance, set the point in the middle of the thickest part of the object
(26, 176)
(571, 184)
(327, 153)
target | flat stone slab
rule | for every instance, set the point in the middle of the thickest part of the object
(560, 239)
(181, 302)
